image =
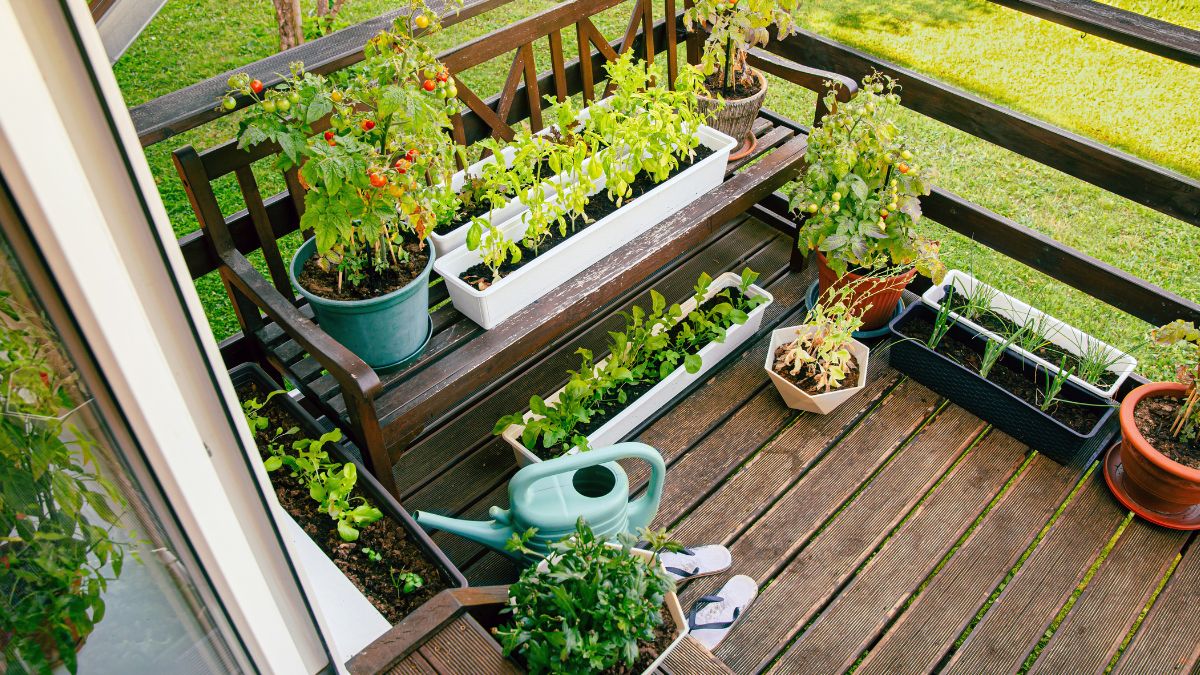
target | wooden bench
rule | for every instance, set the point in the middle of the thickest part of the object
(385, 413)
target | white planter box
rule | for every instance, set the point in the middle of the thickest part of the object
(624, 422)
(798, 399)
(1061, 334)
(352, 619)
(445, 243)
(586, 247)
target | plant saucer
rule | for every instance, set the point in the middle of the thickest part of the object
(1114, 475)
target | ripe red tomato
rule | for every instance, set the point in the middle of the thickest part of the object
(429, 85)
(378, 180)
(402, 165)
(902, 167)
(411, 155)
(367, 125)
(329, 135)
(256, 86)
(443, 76)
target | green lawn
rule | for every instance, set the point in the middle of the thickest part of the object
(1142, 104)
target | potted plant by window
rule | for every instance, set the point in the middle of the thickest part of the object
(860, 202)
(59, 514)
(817, 365)
(1156, 470)
(593, 606)
(735, 90)
(378, 180)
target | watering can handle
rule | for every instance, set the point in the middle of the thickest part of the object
(527, 476)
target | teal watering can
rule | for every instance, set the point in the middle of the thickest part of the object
(552, 495)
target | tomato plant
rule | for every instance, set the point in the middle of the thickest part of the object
(859, 198)
(377, 114)
(733, 28)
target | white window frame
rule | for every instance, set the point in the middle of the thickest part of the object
(70, 157)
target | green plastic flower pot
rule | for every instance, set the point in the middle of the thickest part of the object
(386, 332)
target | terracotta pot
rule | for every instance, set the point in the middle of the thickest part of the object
(1153, 480)
(880, 293)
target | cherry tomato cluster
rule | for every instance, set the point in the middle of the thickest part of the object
(439, 81)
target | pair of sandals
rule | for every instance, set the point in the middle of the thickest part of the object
(712, 616)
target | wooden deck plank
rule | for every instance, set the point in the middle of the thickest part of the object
(837, 637)
(691, 658)
(1102, 616)
(1168, 641)
(931, 623)
(1013, 625)
(463, 647)
(739, 502)
(450, 484)
(415, 664)
(434, 454)
(824, 564)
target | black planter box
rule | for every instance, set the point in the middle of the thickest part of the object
(990, 402)
(248, 373)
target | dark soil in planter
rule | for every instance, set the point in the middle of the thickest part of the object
(385, 536)
(1081, 418)
(598, 206)
(1050, 352)
(807, 382)
(1154, 417)
(324, 283)
(608, 409)
(739, 90)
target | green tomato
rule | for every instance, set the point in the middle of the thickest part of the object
(837, 196)
(283, 104)
(228, 103)
(234, 82)
(293, 96)
(269, 105)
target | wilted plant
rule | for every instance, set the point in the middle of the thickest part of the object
(821, 348)
(1184, 333)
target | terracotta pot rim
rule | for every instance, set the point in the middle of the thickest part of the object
(1134, 436)
(910, 272)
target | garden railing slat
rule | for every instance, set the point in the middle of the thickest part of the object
(1119, 25)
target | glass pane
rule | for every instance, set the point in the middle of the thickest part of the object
(90, 580)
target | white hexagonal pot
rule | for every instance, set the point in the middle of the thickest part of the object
(798, 399)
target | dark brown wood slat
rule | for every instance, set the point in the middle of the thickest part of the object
(672, 44)
(586, 77)
(464, 648)
(837, 637)
(1116, 24)
(197, 248)
(1167, 640)
(825, 563)
(532, 92)
(434, 455)
(631, 31)
(766, 142)
(262, 226)
(929, 626)
(187, 108)
(1012, 626)
(557, 66)
(477, 468)
(1121, 173)
(790, 458)
(489, 117)
(1088, 638)
(507, 93)
(488, 357)
(691, 658)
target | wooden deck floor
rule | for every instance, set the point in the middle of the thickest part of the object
(898, 534)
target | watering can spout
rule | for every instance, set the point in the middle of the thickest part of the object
(490, 533)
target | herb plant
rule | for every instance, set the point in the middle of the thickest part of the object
(378, 177)
(992, 349)
(1185, 334)
(653, 345)
(59, 514)
(860, 195)
(1054, 385)
(734, 27)
(941, 323)
(820, 350)
(589, 606)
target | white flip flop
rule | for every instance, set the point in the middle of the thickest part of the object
(712, 616)
(695, 561)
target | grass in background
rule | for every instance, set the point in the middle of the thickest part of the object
(1139, 103)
